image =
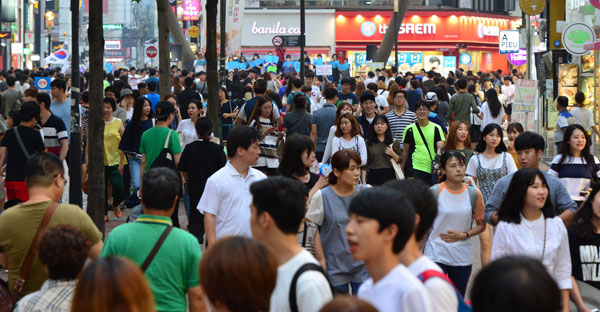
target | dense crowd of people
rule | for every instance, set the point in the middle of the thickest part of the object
(378, 193)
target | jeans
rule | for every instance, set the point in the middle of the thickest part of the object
(345, 288)
(459, 275)
(134, 172)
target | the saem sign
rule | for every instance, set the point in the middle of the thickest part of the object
(274, 29)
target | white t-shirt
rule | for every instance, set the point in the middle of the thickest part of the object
(315, 94)
(381, 102)
(527, 239)
(227, 196)
(487, 115)
(370, 80)
(312, 288)
(488, 163)
(509, 92)
(454, 213)
(187, 132)
(583, 116)
(442, 294)
(398, 291)
(357, 144)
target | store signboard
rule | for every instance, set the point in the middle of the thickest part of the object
(532, 7)
(509, 41)
(519, 58)
(525, 96)
(324, 70)
(575, 36)
(191, 10)
(371, 26)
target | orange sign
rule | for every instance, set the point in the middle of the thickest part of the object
(532, 7)
(418, 27)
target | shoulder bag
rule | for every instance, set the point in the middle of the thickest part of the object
(432, 166)
(156, 247)
(396, 166)
(9, 298)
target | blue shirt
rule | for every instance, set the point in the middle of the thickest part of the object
(62, 111)
(154, 99)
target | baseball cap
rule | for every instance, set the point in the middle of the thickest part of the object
(431, 97)
(126, 92)
(164, 109)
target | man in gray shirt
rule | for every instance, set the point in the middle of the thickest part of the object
(322, 120)
(530, 146)
(11, 97)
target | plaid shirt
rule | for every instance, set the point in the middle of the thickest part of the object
(54, 296)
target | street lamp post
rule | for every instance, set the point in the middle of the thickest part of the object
(302, 38)
(396, 35)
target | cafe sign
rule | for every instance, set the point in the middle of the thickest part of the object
(575, 36)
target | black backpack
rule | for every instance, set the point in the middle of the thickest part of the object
(305, 267)
(165, 159)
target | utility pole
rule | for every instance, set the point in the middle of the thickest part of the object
(302, 37)
(75, 145)
(396, 36)
(223, 55)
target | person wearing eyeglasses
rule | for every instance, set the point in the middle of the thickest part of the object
(400, 117)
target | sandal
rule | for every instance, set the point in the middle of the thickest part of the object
(117, 211)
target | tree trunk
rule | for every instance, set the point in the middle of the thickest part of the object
(391, 34)
(164, 57)
(187, 55)
(212, 74)
(95, 161)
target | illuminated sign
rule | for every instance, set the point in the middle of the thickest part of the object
(275, 29)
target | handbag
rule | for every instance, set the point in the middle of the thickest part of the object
(9, 298)
(396, 166)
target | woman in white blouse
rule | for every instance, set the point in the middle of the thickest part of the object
(187, 127)
(529, 227)
(347, 137)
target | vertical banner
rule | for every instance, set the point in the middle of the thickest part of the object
(235, 18)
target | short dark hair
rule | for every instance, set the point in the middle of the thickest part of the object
(346, 80)
(260, 86)
(10, 81)
(85, 96)
(142, 85)
(160, 188)
(392, 208)
(367, 96)
(461, 83)
(423, 201)
(487, 130)
(330, 93)
(63, 249)
(29, 110)
(372, 87)
(309, 74)
(204, 126)
(43, 97)
(422, 103)
(341, 161)
(403, 91)
(59, 84)
(511, 206)
(297, 82)
(562, 101)
(152, 86)
(42, 168)
(241, 136)
(529, 139)
(188, 82)
(515, 283)
(517, 126)
(283, 199)
(110, 101)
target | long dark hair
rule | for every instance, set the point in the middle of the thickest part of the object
(583, 218)
(565, 150)
(511, 206)
(291, 162)
(138, 108)
(389, 138)
(480, 148)
(493, 102)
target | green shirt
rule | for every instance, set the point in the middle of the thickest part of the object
(153, 141)
(175, 266)
(18, 226)
(420, 156)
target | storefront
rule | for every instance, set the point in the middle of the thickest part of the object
(444, 40)
(260, 26)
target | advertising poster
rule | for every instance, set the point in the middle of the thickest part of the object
(233, 35)
(449, 64)
(433, 62)
(568, 76)
(191, 10)
(410, 62)
(525, 97)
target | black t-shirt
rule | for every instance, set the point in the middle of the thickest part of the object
(200, 159)
(313, 180)
(585, 261)
(16, 159)
(228, 108)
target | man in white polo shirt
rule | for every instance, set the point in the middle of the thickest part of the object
(226, 200)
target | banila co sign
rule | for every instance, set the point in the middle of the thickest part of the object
(275, 29)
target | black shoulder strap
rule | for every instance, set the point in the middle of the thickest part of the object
(305, 267)
(424, 140)
(305, 232)
(20, 141)
(156, 247)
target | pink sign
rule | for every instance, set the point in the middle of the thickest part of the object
(191, 10)
(595, 3)
(518, 59)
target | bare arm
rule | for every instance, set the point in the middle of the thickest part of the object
(313, 133)
(196, 298)
(567, 217)
(319, 254)
(95, 250)
(564, 294)
(176, 158)
(576, 296)
(405, 155)
(4, 259)
(385, 110)
(64, 148)
(210, 227)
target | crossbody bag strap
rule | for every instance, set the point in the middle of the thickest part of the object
(156, 247)
(167, 139)
(20, 141)
(424, 140)
(305, 232)
(32, 249)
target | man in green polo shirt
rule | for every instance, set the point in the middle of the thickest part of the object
(173, 272)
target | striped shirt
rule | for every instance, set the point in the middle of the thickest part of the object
(54, 296)
(268, 145)
(54, 131)
(575, 174)
(399, 123)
